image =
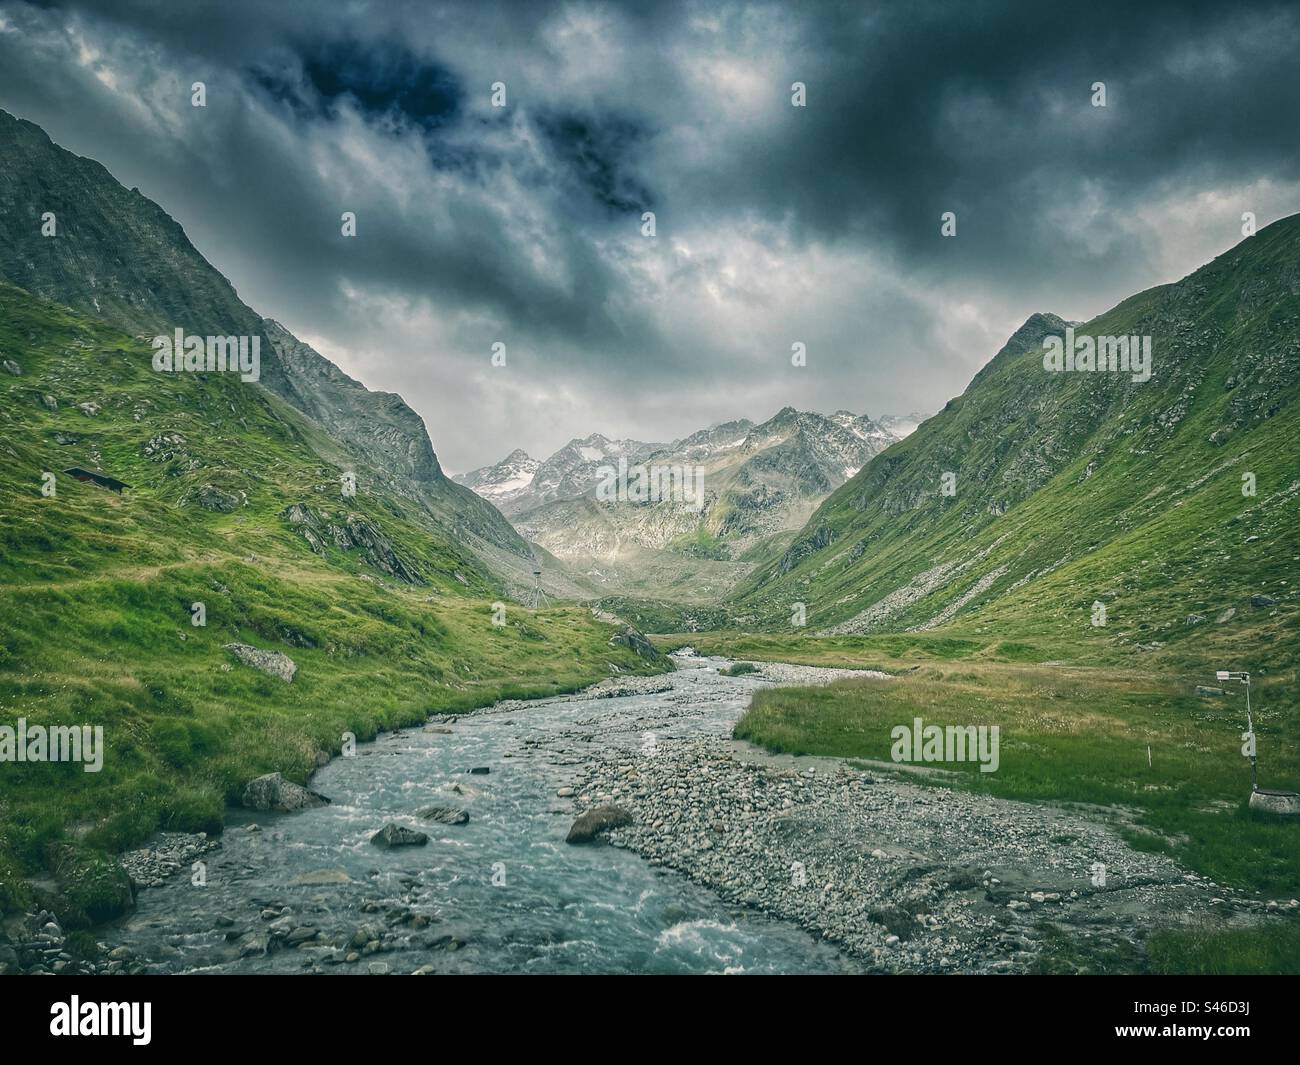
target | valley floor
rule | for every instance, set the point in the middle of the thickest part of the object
(1138, 750)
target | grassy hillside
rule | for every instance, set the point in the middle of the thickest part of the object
(96, 592)
(1083, 487)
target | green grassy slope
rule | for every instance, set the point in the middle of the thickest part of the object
(96, 592)
(1083, 487)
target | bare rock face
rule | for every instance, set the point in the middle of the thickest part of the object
(276, 663)
(595, 821)
(273, 792)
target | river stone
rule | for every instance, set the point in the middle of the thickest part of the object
(252, 944)
(447, 815)
(276, 663)
(595, 821)
(273, 792)
(393, 835)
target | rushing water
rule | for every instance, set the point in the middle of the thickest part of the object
(505, 888)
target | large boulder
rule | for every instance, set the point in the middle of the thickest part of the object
(595, 821)
(394, 835)
(1284, 803)
(276, 663)
(635, 640)
(273, 792)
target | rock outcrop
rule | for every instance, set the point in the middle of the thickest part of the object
(272, 792)
(275, 663)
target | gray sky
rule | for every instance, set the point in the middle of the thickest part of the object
(775, 224)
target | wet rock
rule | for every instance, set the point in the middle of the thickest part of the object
(591, 824)
(480, 770)
(394, 835)
(446, 815)
(272, 792)
(322, 878)
(274, 663)
(253, 944)
(1262, 601)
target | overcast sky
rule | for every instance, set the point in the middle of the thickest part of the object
(775, 224)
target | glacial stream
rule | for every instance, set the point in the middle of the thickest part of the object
(502, 893)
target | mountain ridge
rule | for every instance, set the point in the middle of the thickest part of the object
(120, 258)
(1054, 474)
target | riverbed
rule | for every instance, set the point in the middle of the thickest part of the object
(501, 893)
(733, 862)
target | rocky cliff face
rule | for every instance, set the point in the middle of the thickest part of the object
(119, 257)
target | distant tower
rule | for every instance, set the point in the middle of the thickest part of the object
(536, 597)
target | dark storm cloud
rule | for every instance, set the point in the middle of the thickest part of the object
(386, 83)
(775, 224)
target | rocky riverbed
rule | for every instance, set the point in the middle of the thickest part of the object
(907, 877)
(724, 859)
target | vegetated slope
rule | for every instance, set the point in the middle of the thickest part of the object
(1076, 488)
(119, 257)
(231, 506)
